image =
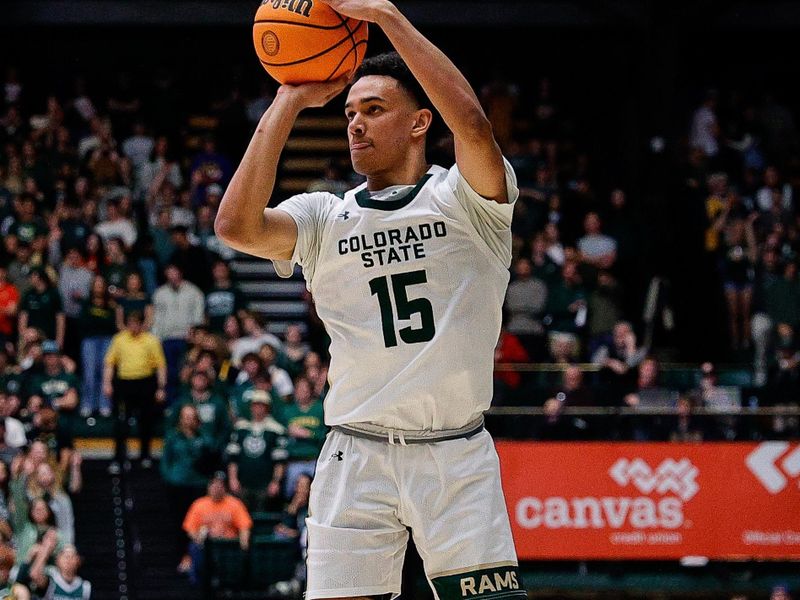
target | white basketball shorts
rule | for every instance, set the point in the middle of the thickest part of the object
(364, 495)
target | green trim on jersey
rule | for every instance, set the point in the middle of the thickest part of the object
(364, 201)
(496, 583)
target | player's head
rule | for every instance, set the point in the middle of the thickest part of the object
(388, 114)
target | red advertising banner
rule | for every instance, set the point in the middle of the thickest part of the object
(652, 500)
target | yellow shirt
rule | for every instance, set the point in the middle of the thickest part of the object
(135, 357)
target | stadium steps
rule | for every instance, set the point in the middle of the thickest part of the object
(315, 140)
(279, 301)
(151, 540)
(96, 532)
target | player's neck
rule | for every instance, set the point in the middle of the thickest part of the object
(408, 173)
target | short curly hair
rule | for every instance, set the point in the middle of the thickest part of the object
(390, 64)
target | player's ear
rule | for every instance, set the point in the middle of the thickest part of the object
(422, 122)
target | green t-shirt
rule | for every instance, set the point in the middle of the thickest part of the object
(42, 309)
(28, 232)
(215, 422)
(60, 589)
(180, 457)
(255, 448)
(52, 387)
(313, 419)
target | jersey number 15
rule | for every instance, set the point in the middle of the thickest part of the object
(405, 308)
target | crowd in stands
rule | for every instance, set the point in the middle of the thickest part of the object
(117, 299)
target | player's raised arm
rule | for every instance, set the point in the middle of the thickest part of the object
(243, 221)
(477, 153)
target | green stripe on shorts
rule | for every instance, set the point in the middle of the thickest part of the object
(498, 583)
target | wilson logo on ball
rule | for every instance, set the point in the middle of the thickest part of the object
(301, 7)
(270, 43)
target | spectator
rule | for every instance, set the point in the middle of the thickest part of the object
(28, 226)
(774, 192)
(566, 314)
(780, 592)
(94, 252)
(649, 394)
(295, 350)
(98, 326)
(254, 339)
(36, 522)
(183, 465)
(596, 249)
(525, 302)
(9, 303)
(705, 129)
(507, 383)
(9, 588)
(160, 167)
(74, 284)
(573, 391)
(45, 485)
(54, 386)
(19, 269)
(215, 425)
(280, 379)
(135, 376)
(224, 299)
(605, 310)
(718, 207)
(61, 580)
(618, 361)
(257, 455)
(305, 424)
(684, 427)
(738, 262)
(134, 298)
(41, 308)
(190, 259)
(217, 515)
(178, 306)
(139, 146)
(116, 225)
(116, 267)
(245, 383)
(59, 442)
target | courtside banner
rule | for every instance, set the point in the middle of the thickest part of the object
(653, 500)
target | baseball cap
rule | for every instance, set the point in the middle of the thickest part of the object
(50, 347)
(259, 396)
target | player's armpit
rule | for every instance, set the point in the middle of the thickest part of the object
(275, 239)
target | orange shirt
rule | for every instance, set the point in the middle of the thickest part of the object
(224, 519)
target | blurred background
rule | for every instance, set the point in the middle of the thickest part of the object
(646, 390)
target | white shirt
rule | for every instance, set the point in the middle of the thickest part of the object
(410, 289)
(702, 132)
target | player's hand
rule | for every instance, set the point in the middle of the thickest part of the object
(363, 10)
(314, 95)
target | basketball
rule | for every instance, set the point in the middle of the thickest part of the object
(300, 41)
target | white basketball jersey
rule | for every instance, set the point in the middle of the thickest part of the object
(410, 288)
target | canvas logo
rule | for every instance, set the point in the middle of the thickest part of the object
(764, 462)
(673, 480)
(677, 477)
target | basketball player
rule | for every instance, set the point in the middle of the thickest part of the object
(408, 272)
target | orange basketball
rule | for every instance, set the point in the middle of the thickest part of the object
(298, 41)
